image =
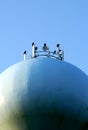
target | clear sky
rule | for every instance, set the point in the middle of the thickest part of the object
(52, 21)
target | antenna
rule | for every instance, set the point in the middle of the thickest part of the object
(45, 52)
(25, 55)
(33, 50)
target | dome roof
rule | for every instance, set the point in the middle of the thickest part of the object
(32, 89)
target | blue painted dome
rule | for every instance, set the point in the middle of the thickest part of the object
(43, 94)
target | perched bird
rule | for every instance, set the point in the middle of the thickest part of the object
(24, 52)
(45, 48)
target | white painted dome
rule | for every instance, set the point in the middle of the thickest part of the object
(43, 94)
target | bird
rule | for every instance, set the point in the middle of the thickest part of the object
(24, 52)
(45, 48)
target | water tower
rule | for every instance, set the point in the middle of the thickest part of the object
(43, 93)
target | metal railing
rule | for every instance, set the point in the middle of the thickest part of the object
(58, 54)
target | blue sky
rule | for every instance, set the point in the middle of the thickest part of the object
(52, 21)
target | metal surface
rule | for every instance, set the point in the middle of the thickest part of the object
(57, 54)
(43, 94)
